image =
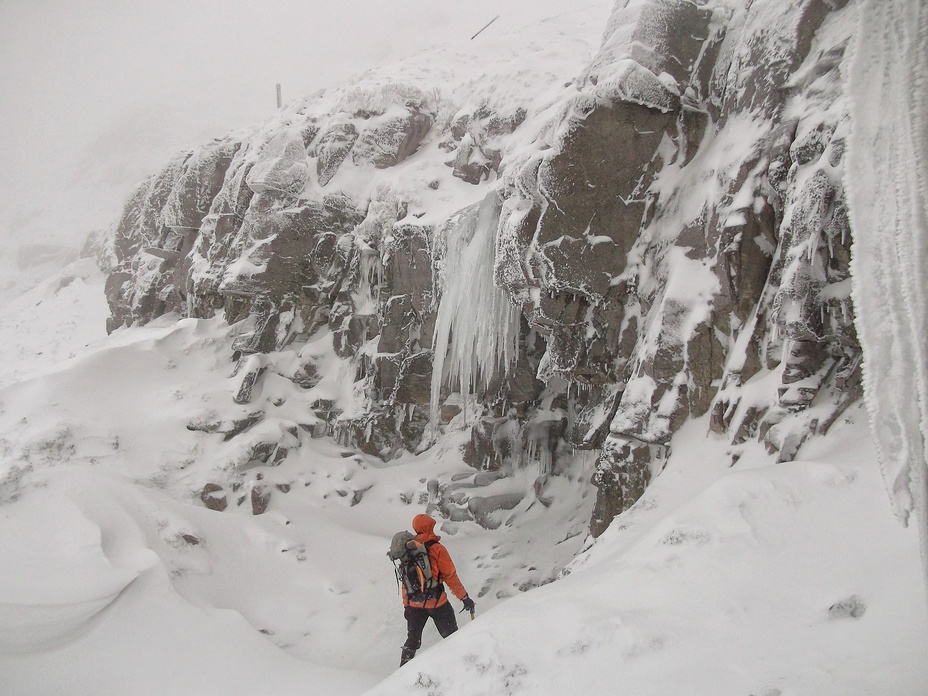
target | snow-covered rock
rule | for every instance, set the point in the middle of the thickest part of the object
(654, 235)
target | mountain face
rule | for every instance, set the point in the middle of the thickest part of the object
(557, 255)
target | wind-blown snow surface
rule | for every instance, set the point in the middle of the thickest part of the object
(888, 184)
(765, 579)
(117, 580)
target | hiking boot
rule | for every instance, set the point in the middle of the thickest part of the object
(406, 655)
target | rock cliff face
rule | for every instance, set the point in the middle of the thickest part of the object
(558, 258)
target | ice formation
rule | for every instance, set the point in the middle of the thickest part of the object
(888, 178)
(477, 328)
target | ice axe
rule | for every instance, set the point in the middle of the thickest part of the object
(468, 606)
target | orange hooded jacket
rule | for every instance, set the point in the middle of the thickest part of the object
(440, 559)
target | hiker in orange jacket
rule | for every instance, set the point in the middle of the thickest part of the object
(437, 606)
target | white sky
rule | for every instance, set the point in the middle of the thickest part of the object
(96, 94)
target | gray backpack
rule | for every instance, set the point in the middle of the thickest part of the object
(414, 568)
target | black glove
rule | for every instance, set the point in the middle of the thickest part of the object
(468, 604)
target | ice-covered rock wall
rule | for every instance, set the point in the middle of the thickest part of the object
(683, 243)
(561, 254)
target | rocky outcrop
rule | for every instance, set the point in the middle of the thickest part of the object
(685, 235)
(669, 240)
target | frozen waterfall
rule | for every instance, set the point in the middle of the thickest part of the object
(477, 327)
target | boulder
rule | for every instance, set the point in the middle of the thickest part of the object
(391, 138)
(493, 441)
(623, 472)
(483, 509)
(198, 184)
(282, 165)
(213, 497)
(332, 148)
(260, 499)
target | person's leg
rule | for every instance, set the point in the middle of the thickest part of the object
(415, 621)
(444, 619)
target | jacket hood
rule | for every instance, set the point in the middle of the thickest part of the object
(424, 524)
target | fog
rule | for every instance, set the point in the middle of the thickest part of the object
(100, 93)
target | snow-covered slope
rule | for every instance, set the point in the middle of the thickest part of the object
(119, 580)
(762, 578)
(768, 579)
(46, 314)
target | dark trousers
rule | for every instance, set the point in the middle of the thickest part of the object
(417, 617)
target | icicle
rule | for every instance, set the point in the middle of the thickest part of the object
(531, 452)
(545, 460)
(366, 298)
(476, 328)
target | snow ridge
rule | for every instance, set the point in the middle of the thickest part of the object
(887, 179)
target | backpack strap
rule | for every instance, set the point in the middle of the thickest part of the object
(428, 547)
